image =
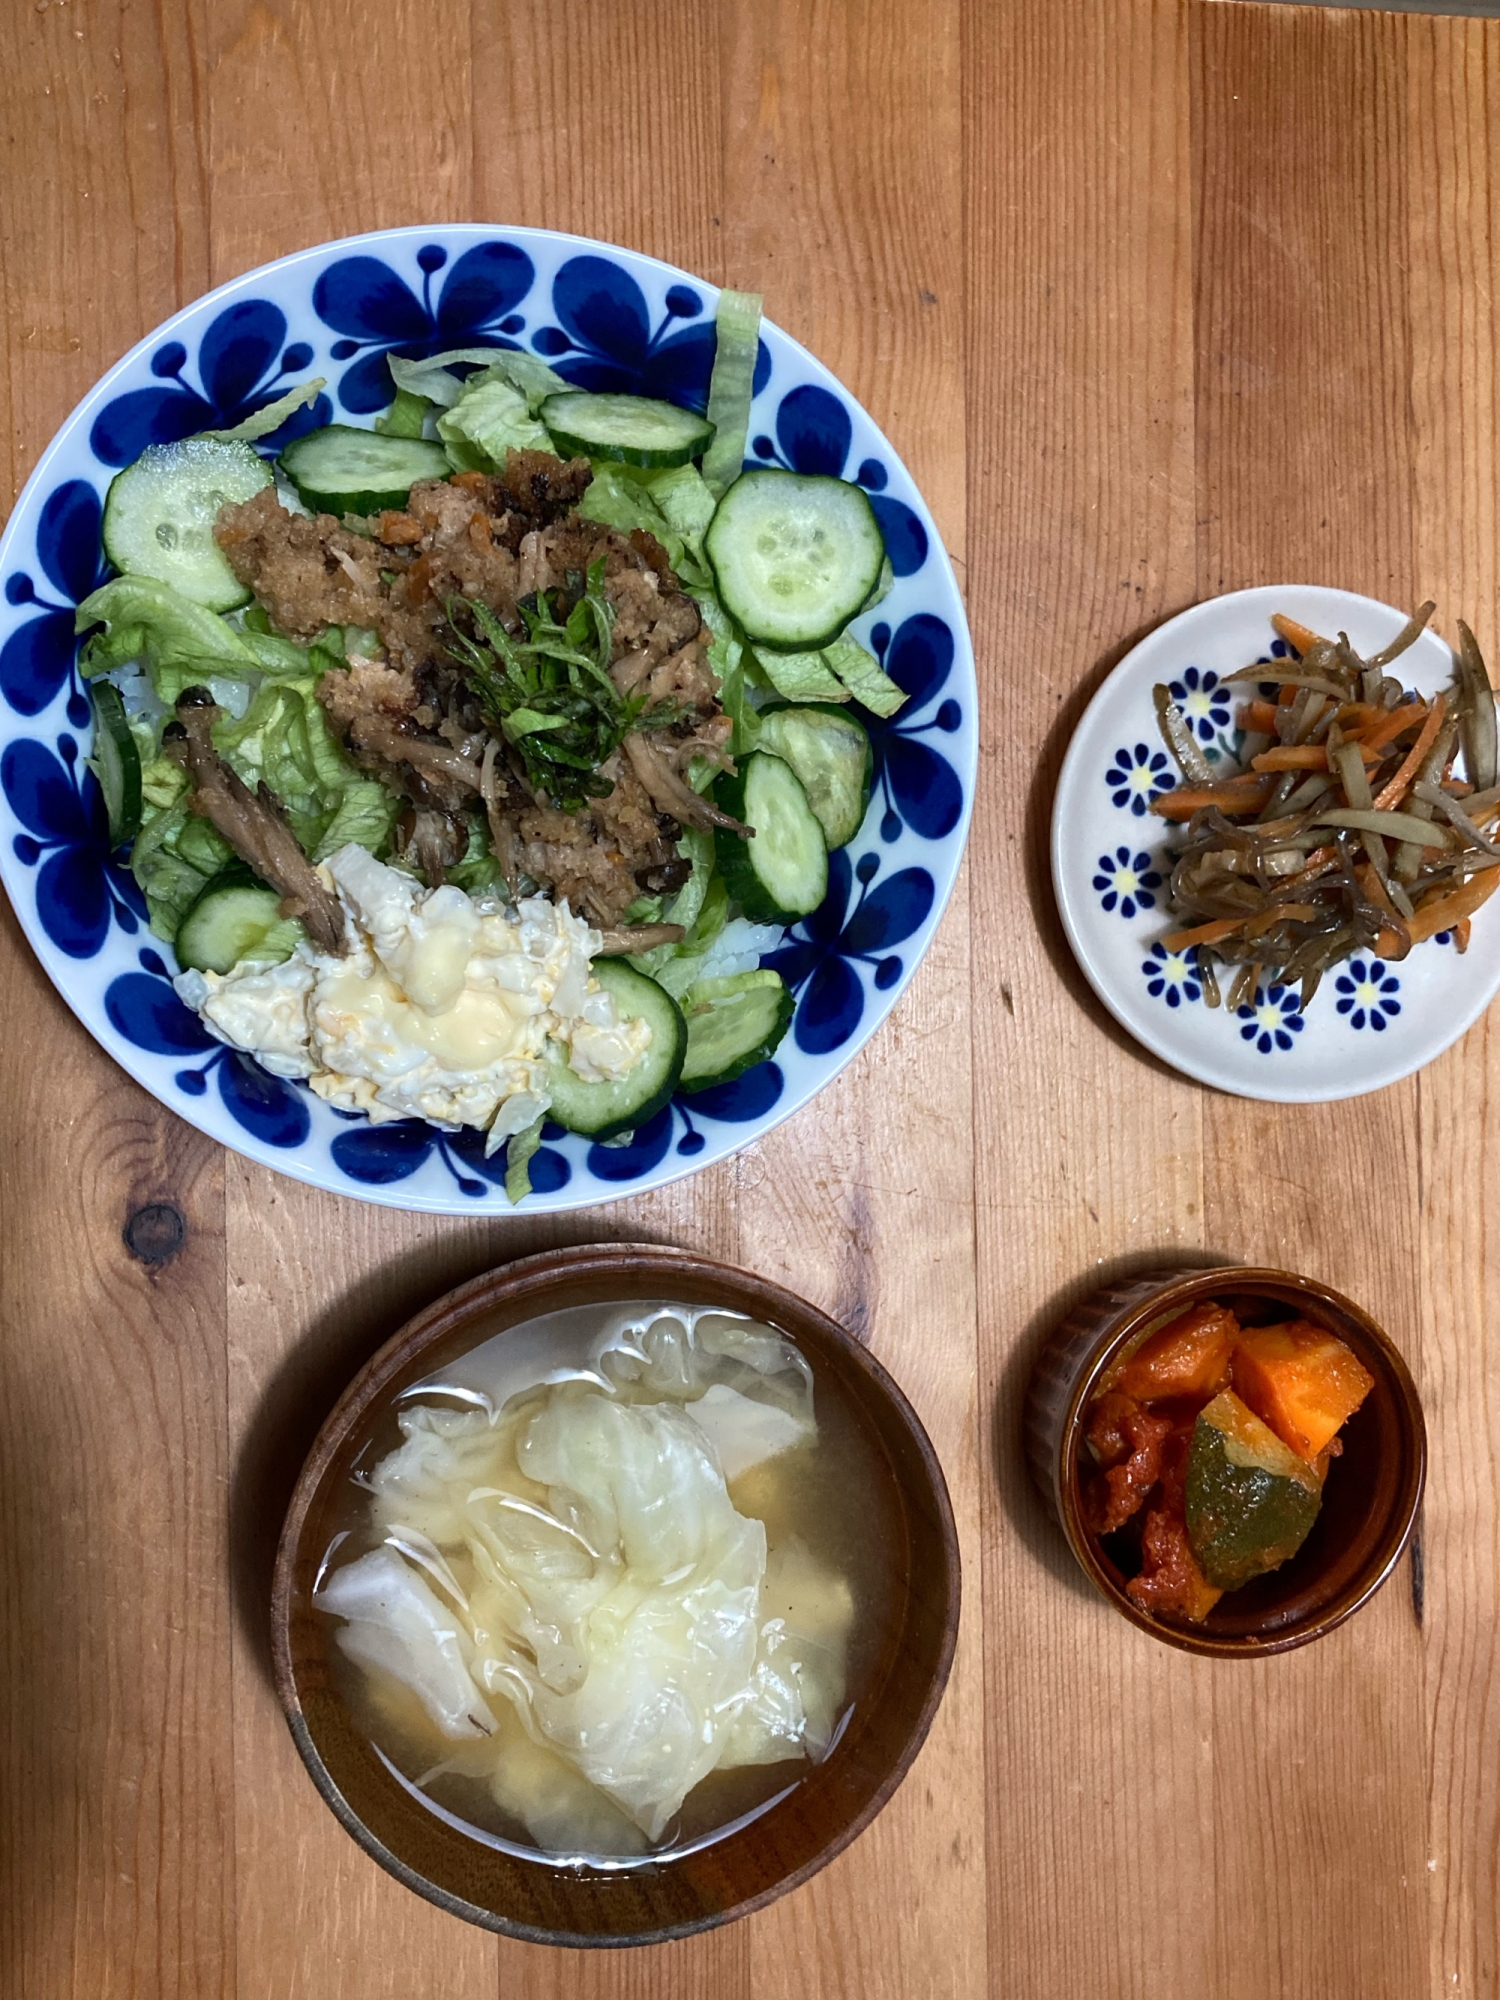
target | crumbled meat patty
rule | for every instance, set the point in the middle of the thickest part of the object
(412, 719)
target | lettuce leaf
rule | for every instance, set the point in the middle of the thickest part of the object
(273, 416)
(518, 1152)
(489, 419)
(732, 661)
(365, 815)
(432, 378)
(674, 504)
(175, 857)
(801, 676)
(731, 388)
(864, 677)
(142, 617)
(407, 416)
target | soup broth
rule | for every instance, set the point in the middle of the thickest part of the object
(605, 1552)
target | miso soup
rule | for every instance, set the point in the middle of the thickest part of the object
(613, 1583)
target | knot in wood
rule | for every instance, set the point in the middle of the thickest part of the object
(155, 1233)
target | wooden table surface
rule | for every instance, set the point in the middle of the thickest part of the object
(1156, 298)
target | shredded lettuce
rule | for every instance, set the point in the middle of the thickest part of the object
(862, 674)
(365, 815)
(407, 416)
(141, 616)
(732, 661)
(676, 966)
(801, 676)
(489, 419)
(673, 504)
(518, 1152)
(432, 378)
(273, 416)
(175, 857)
(731, 387)
(478, 871)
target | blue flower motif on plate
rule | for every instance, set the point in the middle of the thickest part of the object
(143, 1008)
(604, 339)
(1367, 994)
(379, 314)
(242, 366)
(1204, 702)
(820, 958)
(920, 788)
(1127, 880)
(1137, 776)
(1171, 976)
(38, 656)
(80, 890)
(1272, 1018)
(814, 434)
(377, 1155)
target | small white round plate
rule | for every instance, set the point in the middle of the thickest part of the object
(1370, 1023)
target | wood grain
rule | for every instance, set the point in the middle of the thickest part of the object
(1156, 298)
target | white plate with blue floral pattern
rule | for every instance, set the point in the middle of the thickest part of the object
(1370, 1023)
(606, 319)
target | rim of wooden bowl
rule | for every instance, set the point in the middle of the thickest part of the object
(1074, 1360)
(521, 1288)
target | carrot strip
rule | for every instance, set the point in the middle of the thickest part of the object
(1259, 716)
(1222, 927)
(1374, 888)
(1394, 722)
(1296, 635)
(1230, 795)
(1318, 863)
(1441, 913)
(1461, 933)
(1301, 757)
(1397, 788)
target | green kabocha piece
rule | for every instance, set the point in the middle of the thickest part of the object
(1251, 1501)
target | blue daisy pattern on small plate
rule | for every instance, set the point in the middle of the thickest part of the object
(1137, 776)
(1271, 1018)
(1205, 705)
(603, 318)
(1127, 880)
(1367, 994)
(1171, 976)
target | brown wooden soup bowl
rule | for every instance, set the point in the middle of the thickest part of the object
(1370, 1499)
(648, 1902)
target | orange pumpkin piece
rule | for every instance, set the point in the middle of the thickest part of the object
(1189, 1356)
(1301, 1380)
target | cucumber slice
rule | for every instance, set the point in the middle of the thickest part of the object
(605, 1110)
(630, 430)
(341, 470)
(733, 1024)
(160, 511)
(829, 749)
(117, 764)
(782, 872)
(795, 555)
(234, 919)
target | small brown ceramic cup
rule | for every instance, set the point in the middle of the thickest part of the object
(1372, 1493)
(509, 1890)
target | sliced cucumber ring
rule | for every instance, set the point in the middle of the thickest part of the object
(782, 872)
(341, 470)
(829, 749)
(631, 430)
(732, 1024)
(233, 919)
(795, 554)
(117, 764)
(159, 516)
(605, 1110)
